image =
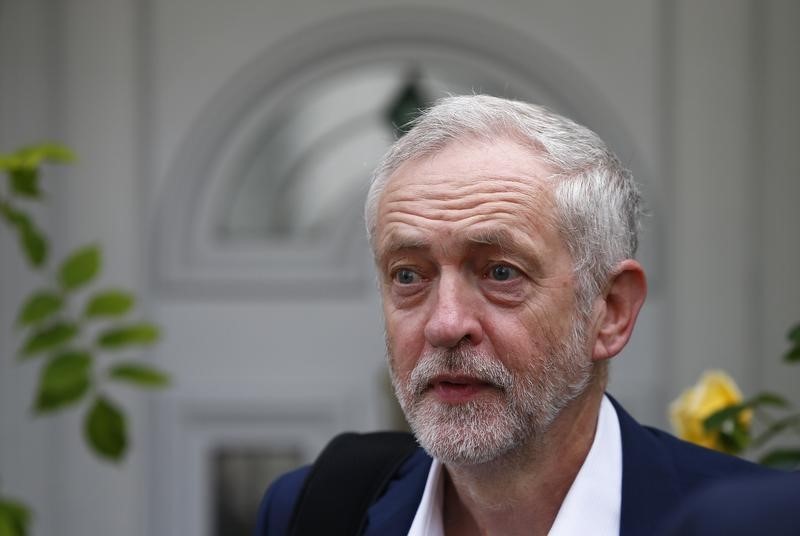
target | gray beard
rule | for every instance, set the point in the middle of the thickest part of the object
(518, 412)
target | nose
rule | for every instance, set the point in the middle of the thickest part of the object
(454, 315)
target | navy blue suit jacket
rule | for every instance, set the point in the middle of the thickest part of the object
(741, 506)
(658, 471)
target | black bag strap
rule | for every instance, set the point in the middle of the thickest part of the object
(347, 477)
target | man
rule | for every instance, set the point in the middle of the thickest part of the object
(504, 237)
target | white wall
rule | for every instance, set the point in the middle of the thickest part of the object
(707, 91)
(775, 267)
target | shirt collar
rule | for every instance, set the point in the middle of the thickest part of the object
(428, 519)
(592, 504)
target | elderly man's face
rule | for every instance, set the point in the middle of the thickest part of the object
(484, 344)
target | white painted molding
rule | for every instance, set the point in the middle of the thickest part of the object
(185, 255)
(192, 426)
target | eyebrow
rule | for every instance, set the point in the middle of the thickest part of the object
(501, 238)
(396, 241)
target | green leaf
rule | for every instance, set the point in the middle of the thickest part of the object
(39, 306)
(734, 436)
(80, 267)
(24, 181)
(34, 244)
(55, 153)
(7, 526)
(105, 429)
(793, 355)
(788, 459)
(109, 303)
(139, 374)
(741, 436)
(776, 428)
(64, 380)
(13, 216)
(794, 334)
(141, 334)
(14, 518)
(7, 161)
(31, 239)
(716, 420)
(49, 338)
(767, 399)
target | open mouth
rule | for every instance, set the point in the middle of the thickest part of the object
(458, 389)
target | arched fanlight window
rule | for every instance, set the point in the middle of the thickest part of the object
(265, 196)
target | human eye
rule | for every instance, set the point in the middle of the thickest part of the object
(502, 272)
(407, 285)
(405, 276)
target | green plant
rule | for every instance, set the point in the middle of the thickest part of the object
(68, 324)
(739, 426)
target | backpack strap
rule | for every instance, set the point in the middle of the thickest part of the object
(347, 477)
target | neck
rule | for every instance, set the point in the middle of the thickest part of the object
(522, 492)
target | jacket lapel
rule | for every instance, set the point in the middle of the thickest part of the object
(650, 484)
(394, 511)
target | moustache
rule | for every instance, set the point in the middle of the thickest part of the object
(460, 361)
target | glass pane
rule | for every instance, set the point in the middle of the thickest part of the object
(240, 476)
(312, 155)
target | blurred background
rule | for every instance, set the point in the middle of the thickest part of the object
(224, 152)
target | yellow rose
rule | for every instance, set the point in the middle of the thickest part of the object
(714, 391)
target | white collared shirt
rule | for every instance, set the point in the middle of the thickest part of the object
(593, 502)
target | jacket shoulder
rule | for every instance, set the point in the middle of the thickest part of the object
(275, 511)
(660, 470)
(741, 505)
(694, 464)
(685, 463)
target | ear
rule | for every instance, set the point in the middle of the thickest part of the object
(616, 310)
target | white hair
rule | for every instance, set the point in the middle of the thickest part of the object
(598, 204)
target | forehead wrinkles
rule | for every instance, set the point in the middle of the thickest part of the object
(466, 187)
(517, 202)
(445, 195)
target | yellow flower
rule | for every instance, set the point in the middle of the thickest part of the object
(714, 391)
